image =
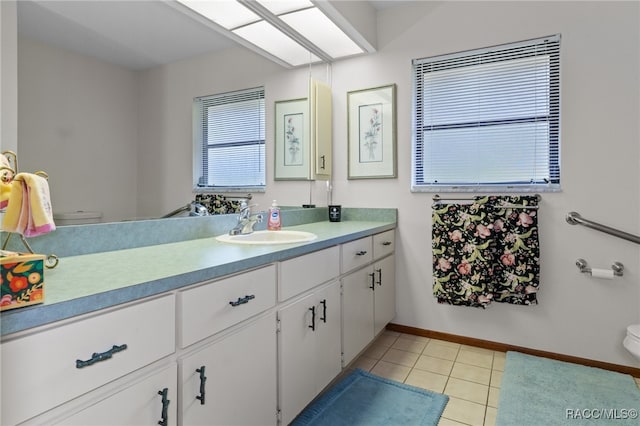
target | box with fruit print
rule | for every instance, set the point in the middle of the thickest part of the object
(21, 279)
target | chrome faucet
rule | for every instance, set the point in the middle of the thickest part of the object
(246, 221)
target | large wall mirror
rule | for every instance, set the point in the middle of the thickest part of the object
(82, 67)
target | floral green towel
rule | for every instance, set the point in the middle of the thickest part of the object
(486, 251)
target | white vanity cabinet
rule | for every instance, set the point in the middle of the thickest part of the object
(309, 348)
(229, 378)
(368, 298)
(51, 366)
(232, 381)
(252, 348)
(309, 328)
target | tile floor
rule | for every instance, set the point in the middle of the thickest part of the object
(470, 375)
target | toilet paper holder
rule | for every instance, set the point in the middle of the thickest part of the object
(616, 267)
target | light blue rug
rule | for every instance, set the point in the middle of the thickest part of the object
(539, 391)
(365, 399)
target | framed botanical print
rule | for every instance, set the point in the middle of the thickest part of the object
(292, 147)
(371, 120)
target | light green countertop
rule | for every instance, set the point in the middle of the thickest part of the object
(86, 283)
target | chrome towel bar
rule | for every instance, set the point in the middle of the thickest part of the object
(574, 218)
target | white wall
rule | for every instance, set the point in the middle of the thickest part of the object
(78, 121)
(577, 315)
(600, 139)
(8, 77)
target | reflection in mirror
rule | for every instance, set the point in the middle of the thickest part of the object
(80, 75)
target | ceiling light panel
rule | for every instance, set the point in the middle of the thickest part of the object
(316, 27)
(270, 39)
(278, 7)
(226, 13)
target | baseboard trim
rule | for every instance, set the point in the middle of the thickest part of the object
(503, 347)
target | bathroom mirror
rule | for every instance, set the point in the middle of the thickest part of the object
(101, 127)
(81, 68)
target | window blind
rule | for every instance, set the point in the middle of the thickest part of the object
(230, 131)
(488, 118)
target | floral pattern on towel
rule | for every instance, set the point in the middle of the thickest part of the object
(486, 251)
(517, 249)
(218, 204)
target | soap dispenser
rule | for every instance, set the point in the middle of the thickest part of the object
(275, 221)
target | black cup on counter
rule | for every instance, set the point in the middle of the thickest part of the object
(335, 213)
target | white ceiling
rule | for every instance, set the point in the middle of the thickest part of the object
(134, 34)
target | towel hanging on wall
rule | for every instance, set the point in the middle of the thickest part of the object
(486, 251)
(218, 203)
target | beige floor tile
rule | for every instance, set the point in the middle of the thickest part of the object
(391, 333)
(364, 363)
(471, 373)
(468, 391)
(448, 422)
(427, 380)
(408, 359)
(498, 361)
(466, 412)
(476, 349)
(490, 416)
(409, 345)
(438, 350)
(391, 371)
(414, 337)
(434, 365)
(445, 343)
(376, 351)
(479, 359)
(386, 340)
(496, 378)
(494, 397)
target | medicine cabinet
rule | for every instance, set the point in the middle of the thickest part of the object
(303, 135)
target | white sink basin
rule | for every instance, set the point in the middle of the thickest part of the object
(269, 237)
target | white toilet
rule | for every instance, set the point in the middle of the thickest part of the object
(77, 218)
(632, 341)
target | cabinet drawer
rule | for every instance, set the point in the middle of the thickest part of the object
(305, 272)
(384, 244)
(356, 253)
(43, 370)
(215, 306)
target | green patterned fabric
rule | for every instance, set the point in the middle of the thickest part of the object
(486, 251)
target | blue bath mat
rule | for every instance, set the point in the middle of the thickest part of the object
(539, 391)
(368, 400)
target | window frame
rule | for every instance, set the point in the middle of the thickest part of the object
(201, 146)
(418, 129)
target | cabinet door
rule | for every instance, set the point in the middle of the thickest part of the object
(385, 293)
(297, 352)
(328, 343)
(357, 312)
(139, 403)
(321, 128)
(240, 386)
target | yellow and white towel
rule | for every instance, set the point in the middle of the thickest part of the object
(29, 209)
(5, 181)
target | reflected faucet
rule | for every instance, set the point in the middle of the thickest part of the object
(194, 209)
(246, 221)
